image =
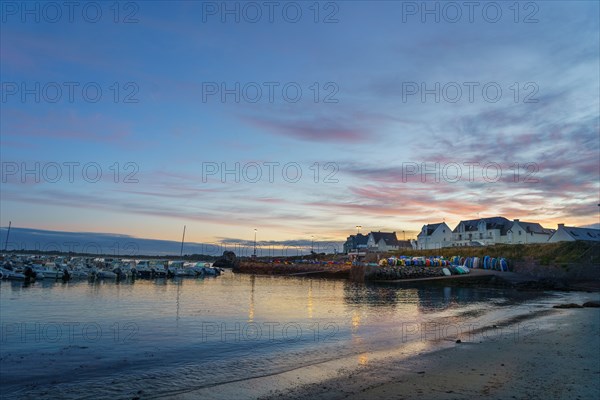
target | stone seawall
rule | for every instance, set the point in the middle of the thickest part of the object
(527, 274)
(360, 273)
(314, 270)
(562, 274)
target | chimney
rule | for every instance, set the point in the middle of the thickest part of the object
(561, 226)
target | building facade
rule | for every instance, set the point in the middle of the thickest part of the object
(527, 232)
(434, 236)
(356, 243)
(382, 241)
(475, 232)
(481, 232)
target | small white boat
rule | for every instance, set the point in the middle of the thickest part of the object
(79, 274)
(160, 268)
(11, 275)
(205, 269)
(47, 272)
(103, 274)
(179, 268)
(143, 269)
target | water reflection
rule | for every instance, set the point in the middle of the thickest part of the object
(378, 296)
(363, 359)
(171, 318)
(251, 305)
(309, 303)
(355, 320)
(178, 283)
(427, 299)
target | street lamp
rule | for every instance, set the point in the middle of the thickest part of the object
(255, 242)
(358, 229)
(312, 244)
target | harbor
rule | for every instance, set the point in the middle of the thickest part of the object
(281, 327)
(324, 200)
(218, 336)
(542, 266)
(29, 269)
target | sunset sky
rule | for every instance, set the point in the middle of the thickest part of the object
(385, 91)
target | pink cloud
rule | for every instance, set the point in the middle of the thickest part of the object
(318, 129)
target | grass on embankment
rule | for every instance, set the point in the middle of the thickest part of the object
(545, 253)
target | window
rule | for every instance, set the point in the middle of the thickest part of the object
(519, 233)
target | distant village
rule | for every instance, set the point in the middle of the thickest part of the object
(475, 232)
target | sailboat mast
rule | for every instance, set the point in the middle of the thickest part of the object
(7, 235)
(182, 239)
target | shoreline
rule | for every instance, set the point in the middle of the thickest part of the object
(481, 277)
(554, 360)
(559, 362)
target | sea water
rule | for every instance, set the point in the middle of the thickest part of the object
(149, 338)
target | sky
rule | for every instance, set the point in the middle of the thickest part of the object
(301, 120)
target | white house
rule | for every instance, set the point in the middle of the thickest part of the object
(571, 233)
(527, 232)
(434, 236)
(484, 231)
(382, 241)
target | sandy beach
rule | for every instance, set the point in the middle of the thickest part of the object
(545, 354)
(559, 361)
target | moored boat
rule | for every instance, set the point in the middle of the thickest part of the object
(11, 275)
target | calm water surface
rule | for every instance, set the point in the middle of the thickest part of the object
(107, 340)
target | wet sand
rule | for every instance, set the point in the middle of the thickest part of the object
(555, 358)
(559, 361)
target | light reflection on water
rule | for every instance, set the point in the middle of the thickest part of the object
(108, 340)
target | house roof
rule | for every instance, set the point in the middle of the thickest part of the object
(389, 238)
(533, 227)
(490, 223)
(357, 240)
(361, 239)
(429, 229)
(588, 234)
